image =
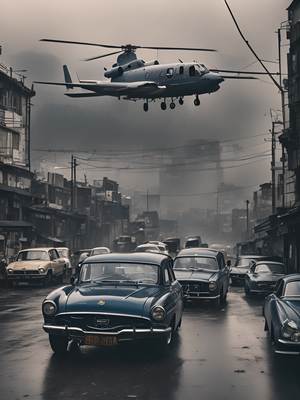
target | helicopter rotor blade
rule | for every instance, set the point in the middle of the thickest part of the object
(126, 46)
(83, 43)
(176, 48)
(242, 72)
(103, 55)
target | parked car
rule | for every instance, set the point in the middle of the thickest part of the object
(282, 317)
(243, 264)
(173, 246)
(162, 246)
(96, 251)
(64, 253)
(117, 298)
(263, 276)
(193, 241)
(37, 264)
(203, 274)
(147, 247)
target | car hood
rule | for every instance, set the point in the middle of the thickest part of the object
(185, 275)
(34, 264)
(110, 299)
(239, 270)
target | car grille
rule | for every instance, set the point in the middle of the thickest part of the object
(195, 287)
(102, 322)
(27, 272)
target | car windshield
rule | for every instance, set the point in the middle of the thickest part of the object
(118, 272)
(292, 289)
(196, 263)
(267, 268)
(63, 253)
(31, 255)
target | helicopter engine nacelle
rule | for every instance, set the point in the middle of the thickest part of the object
(154, 62)
(114, 72)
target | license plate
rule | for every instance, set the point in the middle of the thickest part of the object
(93, 340)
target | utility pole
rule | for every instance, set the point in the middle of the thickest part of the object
(147, 200)
(72, 182)
(282, 93)
(75, 165)
(273, 169)
(247, 218)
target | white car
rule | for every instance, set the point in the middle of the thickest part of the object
(64, 253)
(162, 246)
(147, 247)
(99, 250)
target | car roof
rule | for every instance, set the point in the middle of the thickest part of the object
(39, 249)
(151, 258)
(291, 278)
(100, 247)
(253, 256)
(198, 251)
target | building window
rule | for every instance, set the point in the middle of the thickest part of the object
(15, 141)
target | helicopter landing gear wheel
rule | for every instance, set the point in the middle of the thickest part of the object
(197, 101)
(146, 107)
(163, 105)
(180, 101)
(172, 105)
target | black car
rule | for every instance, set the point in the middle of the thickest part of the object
(193, 241)
(263, 276)
(203, 274)
(243, 264)
(117, 298)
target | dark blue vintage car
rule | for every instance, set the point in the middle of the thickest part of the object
(263, 276)
(203, 274)
(282, 315)
(116, 298)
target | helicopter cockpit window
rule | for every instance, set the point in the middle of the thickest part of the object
(181, 70)
(192, 70)
(170, 72)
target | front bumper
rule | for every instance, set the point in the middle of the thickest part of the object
(124, 335)
(26, 277)
(287, 347)
(200, 296)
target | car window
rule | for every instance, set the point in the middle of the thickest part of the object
(166, 276)
(63, 253)
(30, 255)
(119, 272)
(270, 268)
(292, 289)
(53, 254)
(194, 263)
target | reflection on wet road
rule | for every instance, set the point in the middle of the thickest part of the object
(221, 354)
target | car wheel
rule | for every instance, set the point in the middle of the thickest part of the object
(218, 301)
(247, 289)
(58, 344)
(48, 279)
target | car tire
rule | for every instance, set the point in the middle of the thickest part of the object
(247, 290)
(217, 302)
(58, 344)
(47, 279)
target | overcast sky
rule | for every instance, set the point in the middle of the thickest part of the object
(238, 109)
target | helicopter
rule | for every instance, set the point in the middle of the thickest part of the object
(132, 78)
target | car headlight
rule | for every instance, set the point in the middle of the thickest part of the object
(290, 330)
(10, 270)
(42, 270)
(49, 308)
(212, 286)
(158, 313)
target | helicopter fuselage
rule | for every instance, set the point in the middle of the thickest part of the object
(173, 80)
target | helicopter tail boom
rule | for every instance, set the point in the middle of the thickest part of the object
(68, 78)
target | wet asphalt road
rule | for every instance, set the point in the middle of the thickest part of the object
(221, 354)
